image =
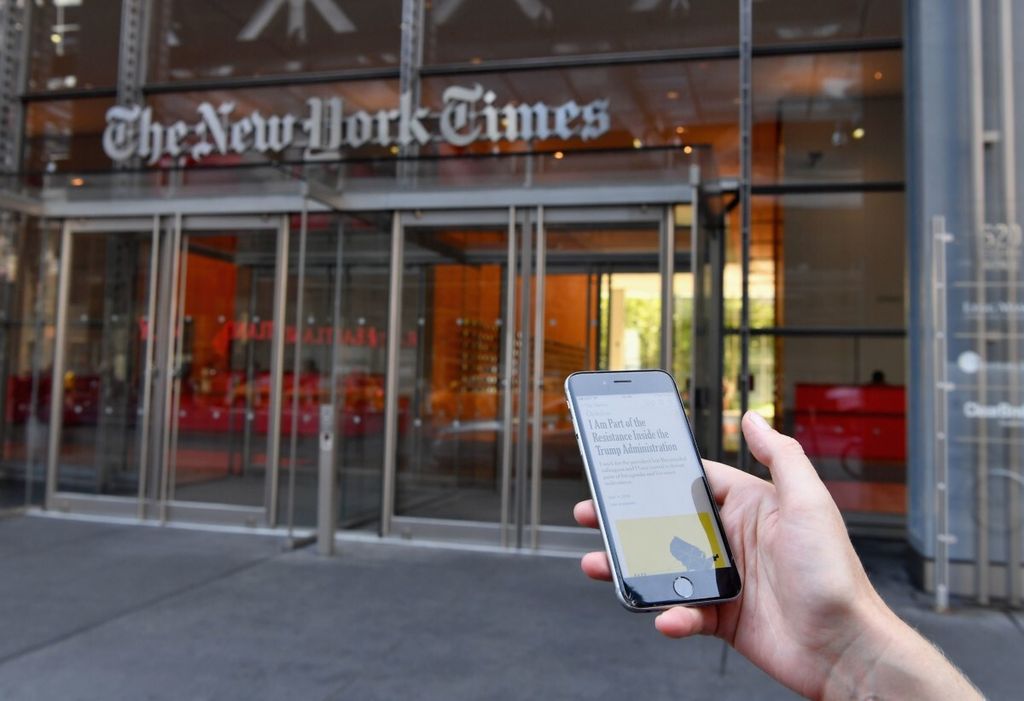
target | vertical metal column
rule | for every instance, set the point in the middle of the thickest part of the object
(1009, 163)
(522, 456)
(508, 324)
(277, 372)
(411, 60)
(300, 289)
(977, 180)
(746, 118)
(144, 412)
(391, 374)
(943, 538)
(14, 19)
(57, 381)
(695, 264)
(175, 365)
(539, 320)
(38, 324)
(326, 506)
(668, 297)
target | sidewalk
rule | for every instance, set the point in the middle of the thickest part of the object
(96, 611)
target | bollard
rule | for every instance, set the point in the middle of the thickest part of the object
(326, 504)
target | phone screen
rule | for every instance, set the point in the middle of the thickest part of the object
(652, 486)
(655, 505)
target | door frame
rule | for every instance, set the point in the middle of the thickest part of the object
(161, 354)
(526, 264)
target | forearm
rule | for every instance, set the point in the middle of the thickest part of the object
(890, 660)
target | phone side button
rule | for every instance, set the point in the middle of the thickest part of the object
(683, 587)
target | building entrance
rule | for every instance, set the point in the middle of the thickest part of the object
(497, 308)
(193, 356)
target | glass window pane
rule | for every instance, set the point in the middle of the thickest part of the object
(828, 117)
(813, 22)
(460, 31)
(73, 44)
(229, 39)
(451, 421)
(342, 357)
(844, 400)
(28, 280)
(838, 260)
(104, 370)
(65, 136)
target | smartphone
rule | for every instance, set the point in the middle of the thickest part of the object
(657, 514)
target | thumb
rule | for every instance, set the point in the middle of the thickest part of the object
(794, 476)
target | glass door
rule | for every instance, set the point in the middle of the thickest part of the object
(494, 309)
(222, 354)
(99, 385)
(599, 307)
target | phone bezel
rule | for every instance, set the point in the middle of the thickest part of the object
(716, 586)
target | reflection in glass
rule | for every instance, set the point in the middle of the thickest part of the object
(229, 39)
(107, 328)
(450, 393)
(341, 342)
(828, 117)
(462, 31)
(73, 45)
(28, 267)
(222, 376)
(602, 311)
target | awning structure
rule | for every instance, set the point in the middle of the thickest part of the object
(581, 178)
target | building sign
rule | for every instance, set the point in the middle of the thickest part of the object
(468, 115)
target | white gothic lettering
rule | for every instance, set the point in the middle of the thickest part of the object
(468, 115)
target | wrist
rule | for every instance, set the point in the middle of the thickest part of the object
(888, 659)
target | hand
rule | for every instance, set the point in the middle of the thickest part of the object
(807, 615)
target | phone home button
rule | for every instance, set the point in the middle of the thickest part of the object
(683, 587)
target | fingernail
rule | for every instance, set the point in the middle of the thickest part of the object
(758, 420)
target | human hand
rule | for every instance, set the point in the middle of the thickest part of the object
(807, 615)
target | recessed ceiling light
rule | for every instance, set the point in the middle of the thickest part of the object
(680, 130)
(559, 155)
(637, 143)
(687, 149)
(858, 133)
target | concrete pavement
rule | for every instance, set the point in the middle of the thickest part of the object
(97, 611)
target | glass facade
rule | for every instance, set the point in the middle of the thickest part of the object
(422, 215)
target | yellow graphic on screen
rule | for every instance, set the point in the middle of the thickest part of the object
(664, 544)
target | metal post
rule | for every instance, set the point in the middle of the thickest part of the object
(277, 372)
(695, 263)
(411, 60)
(300, 288)
(144, 413)
(391, 374)
(943, 538)
(57, 382)
(977, 179)
(326, 503)
(508, 326)
(14, 19)
(539, 321)
(746, 117)
(1009, 163)
(668, 269)
(522, 456)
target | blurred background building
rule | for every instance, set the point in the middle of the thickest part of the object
(220, 215)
